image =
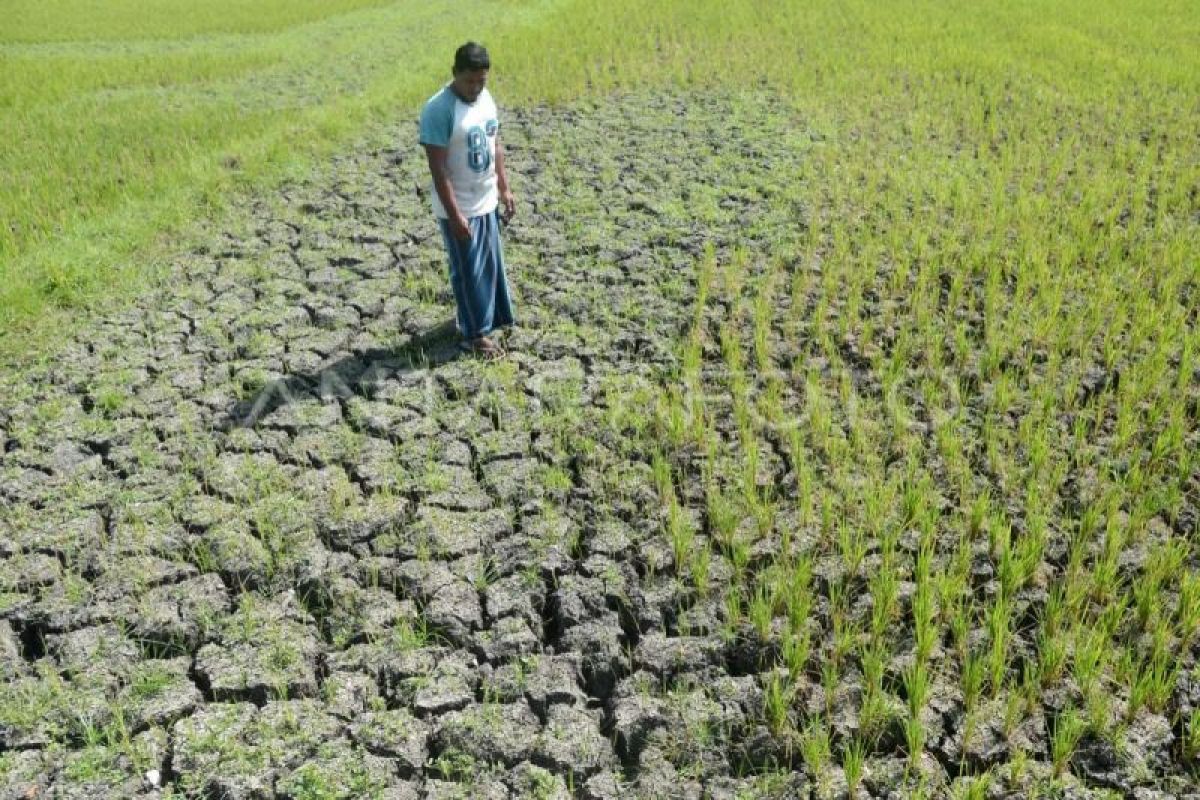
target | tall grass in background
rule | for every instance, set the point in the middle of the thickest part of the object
(122, 120)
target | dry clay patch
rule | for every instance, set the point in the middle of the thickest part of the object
(270, 538)
(266, 537)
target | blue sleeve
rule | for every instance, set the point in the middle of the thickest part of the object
(437, 119)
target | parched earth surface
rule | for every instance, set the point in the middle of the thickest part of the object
(267, 535)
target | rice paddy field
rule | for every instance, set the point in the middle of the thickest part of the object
(847, 445)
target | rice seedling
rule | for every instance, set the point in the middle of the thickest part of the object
(853, 759)
(1191, 738)
(1069, 728)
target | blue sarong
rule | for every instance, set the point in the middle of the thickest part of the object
(477, 276)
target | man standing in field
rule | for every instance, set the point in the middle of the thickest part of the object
(461, 134)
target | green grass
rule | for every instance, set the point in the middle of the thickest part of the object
(123, 121)
(122, 124)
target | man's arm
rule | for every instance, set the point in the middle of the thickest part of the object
(506, 195)
(436, 156)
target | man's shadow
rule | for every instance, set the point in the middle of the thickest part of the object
(355, 375)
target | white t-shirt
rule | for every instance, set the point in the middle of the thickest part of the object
(468, 132)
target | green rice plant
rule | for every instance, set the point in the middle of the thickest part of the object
(961, 617)
(681, 532)
(852, 545)
(1191, 737)
(830, 676)
(916, 687)
(664, 482)
(874, 716)
(795, 648)
(734, 610)
(885, 589)
(1187, 610)
(1088, 657)
(797, 591)
(914, 739)
(699, 566)
(815, 747)
(1052, 657)
(972, 681)
(999, 623)
(722, 515)
(853, 759)
(974, 787)
(1069, 728)
(762, 610)
(845, 637)
(925, 631)
(1098, 714)
(778, 694)
(1153, 682)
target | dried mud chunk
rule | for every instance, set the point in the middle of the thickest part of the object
(988, 745)
(23, 485)
(572, 742)
(604, 786)
(240, 558)
(303, 414)
(1143, 750)
(343, 527)
(265, 650)
(491, 732)
(25, 572)
(443, 534)
(44, 708)
(366, 615)
(281, 668)
(501, 444)
(528, 780)
(205, 511)
(27, 774)
(349, 694)
(475, 787)
(103, 771)
(177, 617)
(658, 778)
(613, 538)
(159, 692)
(767, 787)
(603, 656)
(238, 477)
(397, 735)
(520, 595)
(506, 639)
(65, 606)
(57, 532)
(402, 790)
(133, 574)
(579, 600)
(336, 770)
(102, 646)
(237, 751)
(547, 545)
(667, 657)
(513, 478)
(12, 664)
(461, 492)
(421, 580)
(448, 687)
(635, 717)
(544, 680)
(455, 612)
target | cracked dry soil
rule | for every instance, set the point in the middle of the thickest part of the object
(267, 536)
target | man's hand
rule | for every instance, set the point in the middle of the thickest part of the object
(460, 227)
(510, 205)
